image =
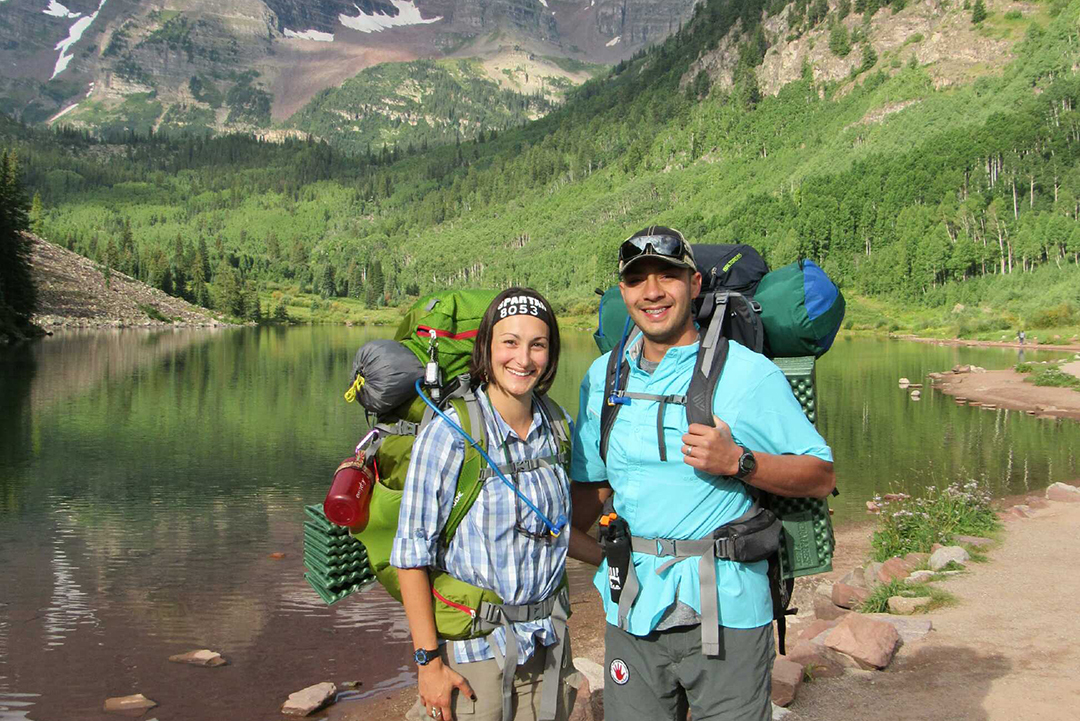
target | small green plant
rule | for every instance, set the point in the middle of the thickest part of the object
(878, 601)
(153, 313)
(1014, 15)
(1023, 368)
(1055, 378)
(978, 12)
(913, 39)
(915, 524)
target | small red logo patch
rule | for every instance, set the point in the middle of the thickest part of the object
(620, 673)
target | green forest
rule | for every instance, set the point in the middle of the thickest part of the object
(960, 207)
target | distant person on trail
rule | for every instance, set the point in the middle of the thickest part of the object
(501, 545)
(687, 628)
(1021, 336)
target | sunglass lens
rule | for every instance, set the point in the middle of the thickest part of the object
(667, 245)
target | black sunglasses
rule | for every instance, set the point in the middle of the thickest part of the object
(670, 246)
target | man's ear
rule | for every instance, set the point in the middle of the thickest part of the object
(695, 284)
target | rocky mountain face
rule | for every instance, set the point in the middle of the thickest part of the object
(248, 64)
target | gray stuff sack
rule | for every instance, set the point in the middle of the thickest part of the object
(390, 371)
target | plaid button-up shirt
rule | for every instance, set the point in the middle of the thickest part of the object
(489, 548)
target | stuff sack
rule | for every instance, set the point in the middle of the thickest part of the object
(384, 376)
(801, 309)
(729, 266)
(612, 320)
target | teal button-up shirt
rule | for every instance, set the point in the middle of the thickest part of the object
(670, 499)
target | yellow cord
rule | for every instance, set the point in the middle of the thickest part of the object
(350, 395)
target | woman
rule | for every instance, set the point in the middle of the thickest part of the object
(502, 544)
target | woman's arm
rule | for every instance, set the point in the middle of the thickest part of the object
(436, 680)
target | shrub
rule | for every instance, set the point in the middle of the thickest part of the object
(1059, 315)
(1054, 377)
(1014, 15)
(878, 601)
(1023, 368)
(153, 313)
(915, 524)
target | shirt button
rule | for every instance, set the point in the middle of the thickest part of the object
(418, 533)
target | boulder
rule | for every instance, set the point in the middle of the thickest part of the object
(592, 671)
(1035, 501)
(903, 606)
(915, 560)
(1063, 492)
(846, 596)
(815, 662)
(869, 642)
(204, 657)
(895, 569)
(910, 629)
(816, 628)
(904, 382)
(870, 575)
(786, 678)
(779, 712)
(854, 577)
(824, 590)
(919, 577)
(309, 700)
(942, 557)
(896, 497)
(826, 610)
(976, 541)
(588, 703)
(127, 704)
(935, 547)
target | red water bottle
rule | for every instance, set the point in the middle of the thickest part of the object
(349, 499)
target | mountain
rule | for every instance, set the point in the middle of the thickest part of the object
(229, 65)
(916, 155)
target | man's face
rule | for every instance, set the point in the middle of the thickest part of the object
(658, 296)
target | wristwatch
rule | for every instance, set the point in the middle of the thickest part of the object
(423, 656)
(747, 464)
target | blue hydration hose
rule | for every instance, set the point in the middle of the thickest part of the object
(556, 527)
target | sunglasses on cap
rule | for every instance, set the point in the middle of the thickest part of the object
(671, 246)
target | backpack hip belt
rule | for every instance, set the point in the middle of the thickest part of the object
(490, 616)
(753, 536)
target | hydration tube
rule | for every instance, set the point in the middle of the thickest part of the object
(555, 528)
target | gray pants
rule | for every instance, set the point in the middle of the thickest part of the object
(660, 675)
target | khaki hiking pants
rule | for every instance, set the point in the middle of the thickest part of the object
(486, 681)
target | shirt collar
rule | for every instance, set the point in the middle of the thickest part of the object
(679, 352)
(503, 430)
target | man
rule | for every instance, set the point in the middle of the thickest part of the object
(661, 654)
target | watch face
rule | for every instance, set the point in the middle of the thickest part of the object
(423, 656)
(747, 463)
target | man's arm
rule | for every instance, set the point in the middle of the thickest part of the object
(713, 451)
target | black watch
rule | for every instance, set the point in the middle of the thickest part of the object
(747, 464)
(423, 657)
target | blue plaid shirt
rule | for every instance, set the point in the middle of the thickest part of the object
(487, 550)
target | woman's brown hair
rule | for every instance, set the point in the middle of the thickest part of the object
(481, 370)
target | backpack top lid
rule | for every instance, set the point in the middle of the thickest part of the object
(801, 308)
(454, 317)
(730, 266)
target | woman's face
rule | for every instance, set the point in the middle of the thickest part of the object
(519, 353)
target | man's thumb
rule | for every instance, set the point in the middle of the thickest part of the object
(720, 424)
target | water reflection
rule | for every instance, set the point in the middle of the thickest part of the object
(145, 479)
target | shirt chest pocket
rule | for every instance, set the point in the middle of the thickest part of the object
(671, 427)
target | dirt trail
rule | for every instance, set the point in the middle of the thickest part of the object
(1006, 652)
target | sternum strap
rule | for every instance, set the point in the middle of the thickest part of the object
(663, 401)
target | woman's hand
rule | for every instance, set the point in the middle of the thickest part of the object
(437, 682)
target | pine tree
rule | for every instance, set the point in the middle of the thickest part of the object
(37, 216)
(978, 13)
(18, 296)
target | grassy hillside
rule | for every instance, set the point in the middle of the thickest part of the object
(910, 192)
(426, 102)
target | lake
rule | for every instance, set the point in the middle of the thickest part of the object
(146, 477)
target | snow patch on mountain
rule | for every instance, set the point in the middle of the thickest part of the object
(310, 35)
(615, 41)
(74, 33)
(408, 14)
(57, 10)
(544, 3)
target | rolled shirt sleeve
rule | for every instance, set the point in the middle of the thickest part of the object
(428, 495)
(772, 421)
(586, 464)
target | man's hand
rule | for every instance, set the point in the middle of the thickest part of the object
(711, 450)
(436, 682)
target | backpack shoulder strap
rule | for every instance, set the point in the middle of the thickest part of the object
(469, 481)
(709, 366)
(560, 426)
(609, 410)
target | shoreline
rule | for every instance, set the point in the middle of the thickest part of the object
(1068, 347)
(1009, 389)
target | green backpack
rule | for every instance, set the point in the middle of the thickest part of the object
(453, 318)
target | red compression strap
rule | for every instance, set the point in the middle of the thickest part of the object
(451, 604)
(424, 331)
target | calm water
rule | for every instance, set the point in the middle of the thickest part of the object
(146, 478)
